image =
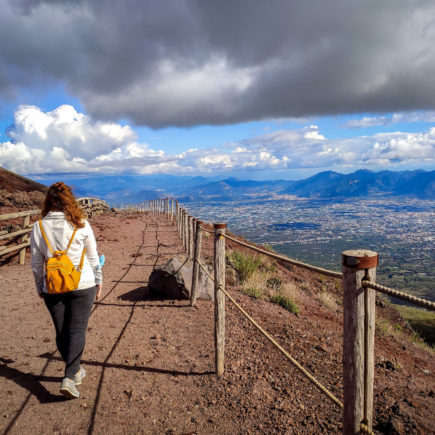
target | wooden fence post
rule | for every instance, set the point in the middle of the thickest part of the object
(186, 230)
(196, 259)
(358, 339)
(189, 236)
(25, 238)
(219, 297)
(183, 234)
(177, 216)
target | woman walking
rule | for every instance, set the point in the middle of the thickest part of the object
(63, 229)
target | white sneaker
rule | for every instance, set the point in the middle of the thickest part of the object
(78, 377)
(68, 389)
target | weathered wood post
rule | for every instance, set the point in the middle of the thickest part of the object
(196, 260)
(183, 234)
(358, 339)
(190, 236)
(192, 240)
(219, 297)
(186, 230)
(177, 216)
(183, 227)
(24, 239)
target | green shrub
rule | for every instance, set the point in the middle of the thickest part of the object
(253, 292)
(421, 321)
(274, 283)
(245, 265)
(286, 303)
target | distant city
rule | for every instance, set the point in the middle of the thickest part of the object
(401, 230)
(312, 220)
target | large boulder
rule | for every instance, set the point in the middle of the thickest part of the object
(174, 280)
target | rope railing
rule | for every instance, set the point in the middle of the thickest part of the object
(424, 303)
(359, 304)
(365, 429)
(321, 270)
(307, 374)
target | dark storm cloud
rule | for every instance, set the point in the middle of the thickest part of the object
(184, 62)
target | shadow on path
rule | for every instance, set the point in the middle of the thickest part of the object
(32, 383)
(134, 368)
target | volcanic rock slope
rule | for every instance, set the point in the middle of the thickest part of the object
(19, 193)
(150, 361)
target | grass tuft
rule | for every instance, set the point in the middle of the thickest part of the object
(245, 265)
(286, 303)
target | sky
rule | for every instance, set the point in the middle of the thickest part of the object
(245, 88)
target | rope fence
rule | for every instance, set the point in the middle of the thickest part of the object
(306, 373)
(284, 352)
(320, 270)
(359, 303)
(424, 303)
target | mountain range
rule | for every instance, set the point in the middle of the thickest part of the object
(136, 188)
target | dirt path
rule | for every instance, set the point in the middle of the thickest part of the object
(150, 362)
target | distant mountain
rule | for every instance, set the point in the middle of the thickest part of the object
(234, 189)
(124, 189)
(365, 183)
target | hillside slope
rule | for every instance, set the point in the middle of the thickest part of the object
(19, 193)
(150, 361)
(10, 182)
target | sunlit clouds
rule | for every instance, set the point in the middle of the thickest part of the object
(65, 140)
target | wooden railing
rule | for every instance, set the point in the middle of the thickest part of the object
(24, 233)
(358, 282)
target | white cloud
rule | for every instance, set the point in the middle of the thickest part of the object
(395, 118)
(402, 147)
(64, 127)
(64, 140)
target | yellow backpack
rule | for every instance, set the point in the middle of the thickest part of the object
(60, 274)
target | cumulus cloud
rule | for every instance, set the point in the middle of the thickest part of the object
(190, 62)
(404, 117)
(64, 140)
(65, 128)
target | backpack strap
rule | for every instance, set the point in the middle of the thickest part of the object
(45, 237)
(82, 259)
(71, 239)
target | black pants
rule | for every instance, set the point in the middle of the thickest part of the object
(70, 313)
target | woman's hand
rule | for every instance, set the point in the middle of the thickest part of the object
(99, 288)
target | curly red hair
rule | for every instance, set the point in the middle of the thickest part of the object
(60, 198)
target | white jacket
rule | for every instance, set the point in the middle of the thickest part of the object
(59, 231)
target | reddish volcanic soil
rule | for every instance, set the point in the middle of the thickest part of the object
(150, 362)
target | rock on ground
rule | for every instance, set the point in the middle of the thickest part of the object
(173, 280)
